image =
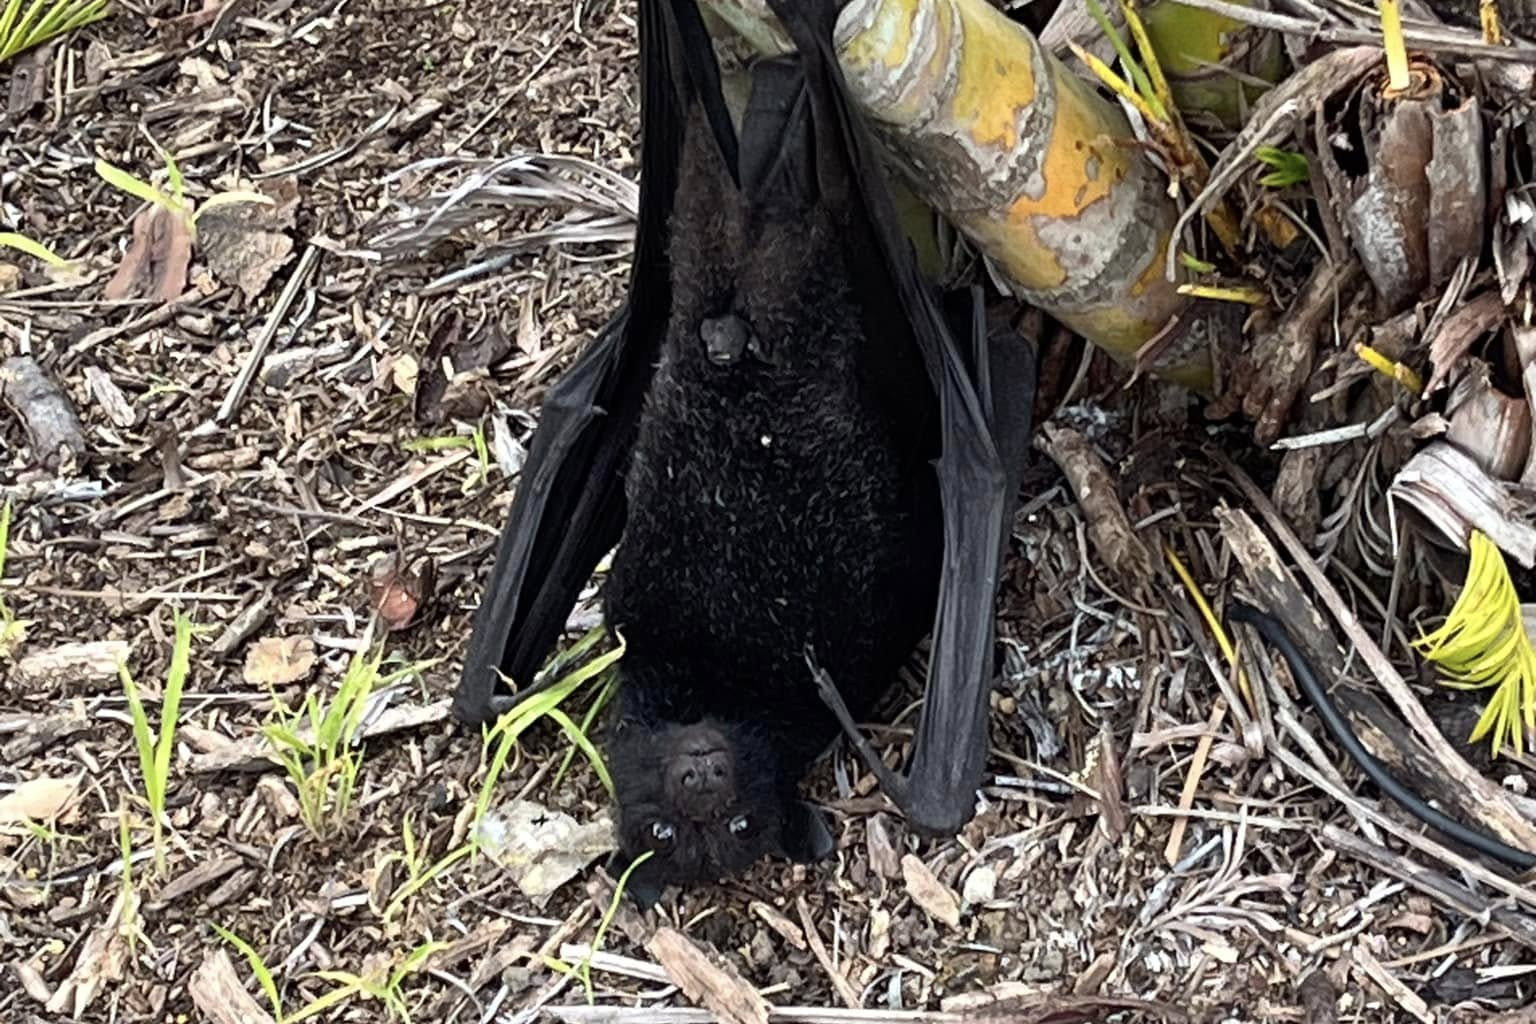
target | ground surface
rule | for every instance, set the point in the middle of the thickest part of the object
(283, 505)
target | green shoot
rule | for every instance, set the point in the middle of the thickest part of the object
(583, 970)
(127, 896)
(474, 442)
(175, 202)
(604, 694)
(501, 737)
(388, 991)
(37, 250)
(419, 873)
(25, 24)
(155, 752)
(1144, 87)
(1483, 643)
(260, 969)
(1288, 168)
(316, 745)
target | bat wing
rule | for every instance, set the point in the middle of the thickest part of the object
(985, 385)
(569, 507)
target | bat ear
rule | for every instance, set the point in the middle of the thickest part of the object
(641, 887)
(806, 836)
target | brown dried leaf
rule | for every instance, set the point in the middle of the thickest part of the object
(277, 661)
(936, 899)
(1473, 319)
(39, 800)
(244, 243)
(157, 259)
(397, 593)
(453, 373)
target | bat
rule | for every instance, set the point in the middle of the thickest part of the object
(801, 455)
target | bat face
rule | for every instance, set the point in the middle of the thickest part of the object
(703, 799)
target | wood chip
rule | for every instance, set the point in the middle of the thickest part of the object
(1400, 994)
(787, 929)
(936, 899)
(717, 988)
(90, 663)
(216, 990)
(53, 428)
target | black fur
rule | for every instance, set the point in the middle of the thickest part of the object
(772, 502)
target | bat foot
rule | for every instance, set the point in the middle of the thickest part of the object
(894, 785)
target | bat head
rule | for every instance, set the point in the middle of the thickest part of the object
(706, 800)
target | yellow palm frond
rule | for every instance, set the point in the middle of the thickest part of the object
(1483, 643)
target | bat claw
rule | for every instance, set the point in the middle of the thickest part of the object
(894, 785)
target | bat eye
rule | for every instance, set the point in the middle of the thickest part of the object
(662, 832)
(739, 825)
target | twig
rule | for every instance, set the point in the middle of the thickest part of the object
(242, 382)
(845, 989)
(1192, 780)
(1444, 890)
(1433, 40)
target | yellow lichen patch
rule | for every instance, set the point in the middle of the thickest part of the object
(888, 39)
(997, 76)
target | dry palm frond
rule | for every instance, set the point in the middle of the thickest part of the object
(601, 207)
(1483, 643)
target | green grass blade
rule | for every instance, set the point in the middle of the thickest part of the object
(580, 741)
(125, 182)
(170, 707)
(5, 533)
(258, 967)
(37, 250)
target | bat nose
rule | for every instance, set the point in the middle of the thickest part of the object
(702, 782)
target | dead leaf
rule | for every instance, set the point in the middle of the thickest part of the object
(398, 594)
(37, 800)
(10, 277)
(245, 244)
(542, 848)
(453, 378)
(936, 899)
(157, 259)
(277, 661)
(101, 957)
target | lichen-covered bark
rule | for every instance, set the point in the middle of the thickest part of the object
(1023, 157)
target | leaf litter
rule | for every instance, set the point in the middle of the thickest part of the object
(235, 421)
